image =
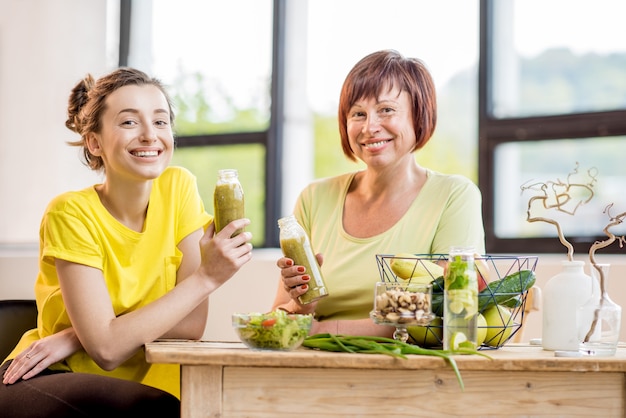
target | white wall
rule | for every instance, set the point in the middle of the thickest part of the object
(297, 119)
(46, 47)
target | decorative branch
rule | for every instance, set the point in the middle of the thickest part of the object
(613, 221)
(556, 195)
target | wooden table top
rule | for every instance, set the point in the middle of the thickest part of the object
(513, 357)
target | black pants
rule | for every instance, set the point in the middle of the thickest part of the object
(61, 394)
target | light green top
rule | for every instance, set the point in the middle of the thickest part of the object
(447, 212)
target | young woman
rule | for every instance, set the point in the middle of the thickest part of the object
(387, 112)
(122, 263)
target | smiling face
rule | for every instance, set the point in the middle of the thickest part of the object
(380, 130)
(135, 140)
(372, 76)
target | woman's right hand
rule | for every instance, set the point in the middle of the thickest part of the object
(41, 354)
(222, 255)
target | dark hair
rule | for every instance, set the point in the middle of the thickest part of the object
(384, 70)
(87, 103)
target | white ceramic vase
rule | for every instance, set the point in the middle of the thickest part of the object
(562, 296)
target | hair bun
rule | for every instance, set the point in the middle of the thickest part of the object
(77, 100)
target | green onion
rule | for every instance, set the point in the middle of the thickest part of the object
(382, 345)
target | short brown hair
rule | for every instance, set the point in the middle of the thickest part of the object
(388, 69)
(87, 103)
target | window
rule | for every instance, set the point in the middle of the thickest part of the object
(444, 34)
(216, 59)
(552, 110)
(225, 116)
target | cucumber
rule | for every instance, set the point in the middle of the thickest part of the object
(512, 303)
(436, 303)
(501, 292)
(438, 285)
(437, 298)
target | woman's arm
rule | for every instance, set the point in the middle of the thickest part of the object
(356, 327)
(111, 340)
(461, 222)
(192, 326)
(290, 286)
(366, 326)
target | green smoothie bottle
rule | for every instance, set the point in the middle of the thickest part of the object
(296, 245)
(227, 199)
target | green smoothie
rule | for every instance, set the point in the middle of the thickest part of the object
(299, 250)
(228, 205)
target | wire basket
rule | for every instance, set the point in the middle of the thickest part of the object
(504, 281)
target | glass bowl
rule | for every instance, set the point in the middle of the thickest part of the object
(402, 304)
(272, 331)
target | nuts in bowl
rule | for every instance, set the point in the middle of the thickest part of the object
(402, 303)
(276, 330)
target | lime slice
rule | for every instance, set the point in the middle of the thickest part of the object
(456, 306)
(466, 345)
(457, 339)
(471, 310)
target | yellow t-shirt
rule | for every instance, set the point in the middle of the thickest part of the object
(138, 267)
(447, 212)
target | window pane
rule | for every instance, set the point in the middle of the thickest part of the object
(216, 60)
(205, 161)
(557, 57)
(600, 169)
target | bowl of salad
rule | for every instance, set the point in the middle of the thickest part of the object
(275, 331)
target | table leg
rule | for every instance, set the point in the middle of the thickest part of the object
(201, 391)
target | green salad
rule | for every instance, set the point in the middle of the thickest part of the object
(277, 330)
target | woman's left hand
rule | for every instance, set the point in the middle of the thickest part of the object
(41, 354)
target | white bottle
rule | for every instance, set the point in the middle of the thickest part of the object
(562, 295)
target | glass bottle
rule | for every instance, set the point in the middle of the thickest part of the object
(295, 244)
(228, 201)
(599, 318)
(460, 300)
(562, 295)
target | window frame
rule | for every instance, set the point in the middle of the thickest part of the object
(271, 139)
(493, 132)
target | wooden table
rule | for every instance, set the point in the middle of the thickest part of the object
(228, 380)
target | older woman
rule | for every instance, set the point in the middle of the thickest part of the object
(387, 112)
